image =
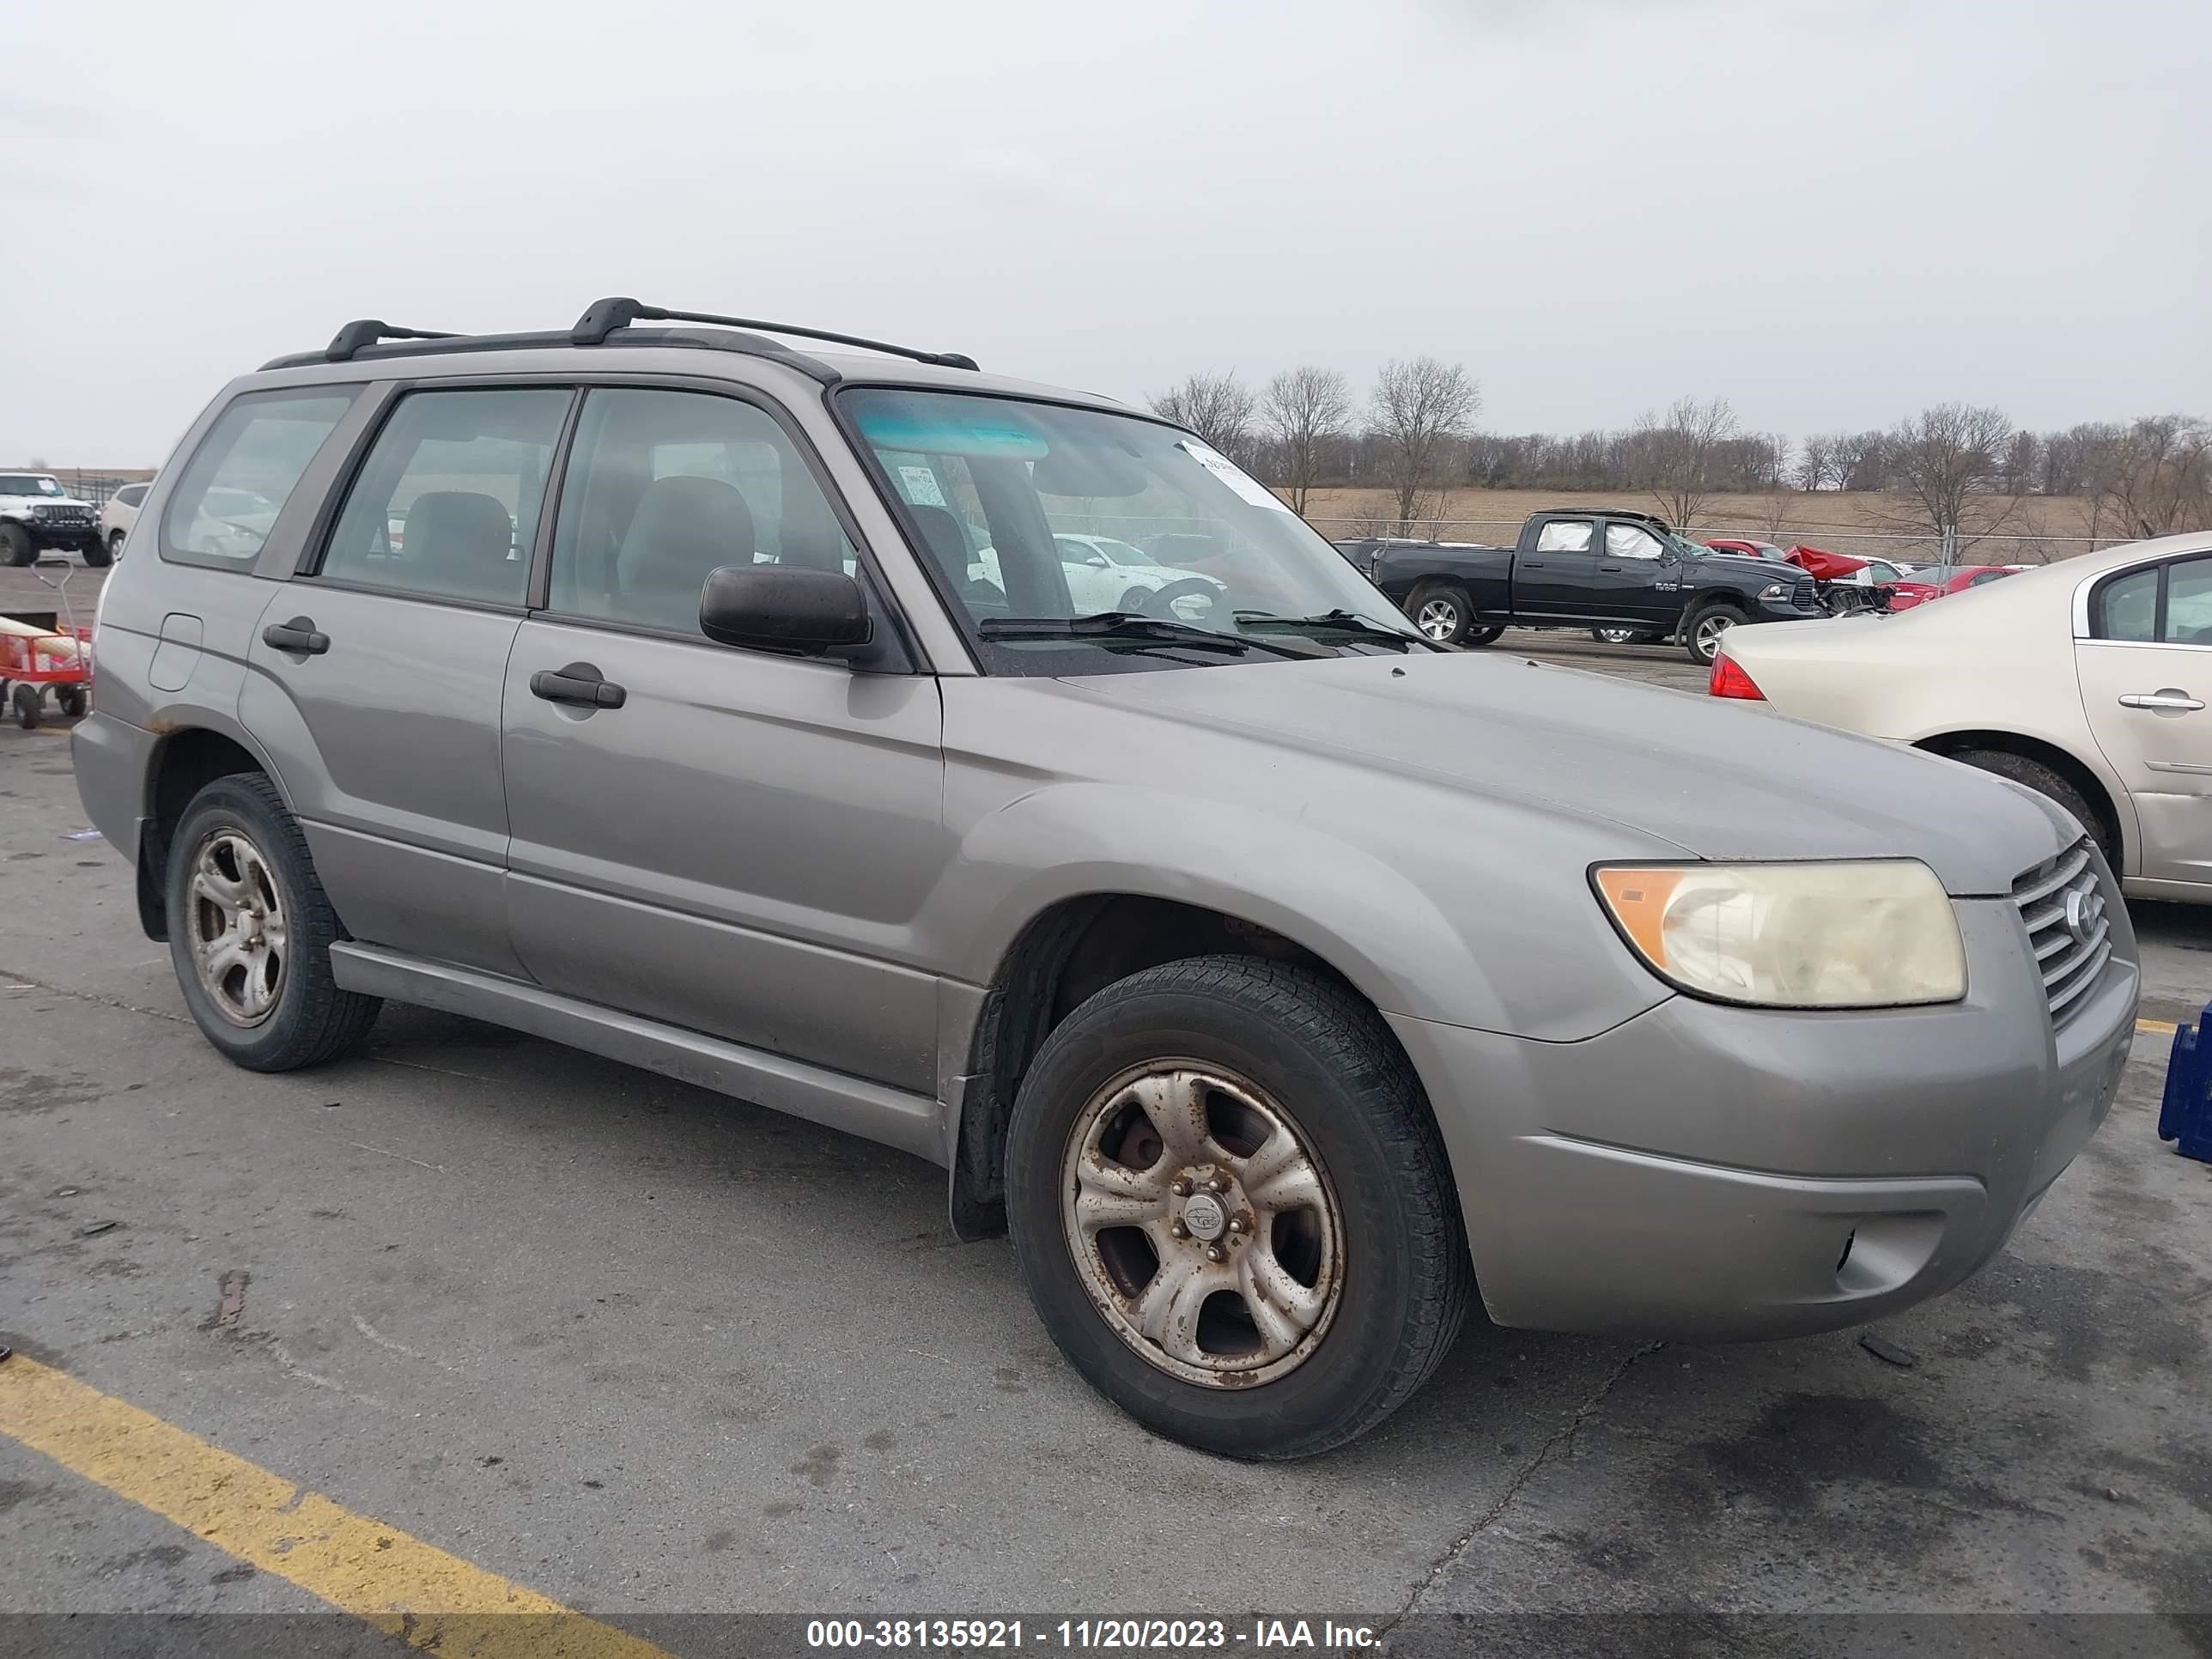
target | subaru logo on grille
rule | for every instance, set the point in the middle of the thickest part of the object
(2083, 912)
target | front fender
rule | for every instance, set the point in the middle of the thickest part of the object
(1367, 920)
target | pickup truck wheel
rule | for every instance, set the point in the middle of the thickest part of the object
(1701, 635)
(1442, 614)
(250, 933)
(1232, 1210)
(2035, 776)
(15, 544)
(1619, 636)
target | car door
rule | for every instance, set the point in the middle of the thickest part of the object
(1632, 567)
(1557, 574)
(735, 842)
(2145, 665)
(377, 672)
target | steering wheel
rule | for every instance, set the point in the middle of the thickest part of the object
(1160, 601)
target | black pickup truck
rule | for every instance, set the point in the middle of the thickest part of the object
(1617, 574)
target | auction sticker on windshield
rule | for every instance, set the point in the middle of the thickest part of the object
(1232, 475)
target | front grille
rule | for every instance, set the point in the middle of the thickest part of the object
(62, 514)
(2063, 906)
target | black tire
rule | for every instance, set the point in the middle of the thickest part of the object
(28, 702)
(1448, 609)
(1474, 638)
(313, 1020)
(99, 554)
(1625, 635)
(2034, 774)
(1700, 638)
(1330, 1060)
(72, 699)
(15, 547)
(115, 540)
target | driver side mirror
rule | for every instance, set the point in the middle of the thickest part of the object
(768, 607)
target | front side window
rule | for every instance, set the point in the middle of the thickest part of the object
(663, 488)
(1628, 541)
(240, 477)
(446, 503)
(1564, 536)
(1080, 540)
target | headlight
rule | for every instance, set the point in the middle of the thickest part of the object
(1773, 593)
(1879, 934)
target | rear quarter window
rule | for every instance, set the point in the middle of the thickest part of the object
(238, 480)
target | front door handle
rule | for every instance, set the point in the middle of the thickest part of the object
(299, 636)
(2167, 698)
(578, 683)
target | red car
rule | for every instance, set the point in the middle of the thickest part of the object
(1973, 575)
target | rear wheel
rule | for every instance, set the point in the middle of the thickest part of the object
(1442, 613)
(27, 699)
(1232, 1210)
(2050, 784)
(71, 698)
(15, 544)
(1701, 635)
(250, 933)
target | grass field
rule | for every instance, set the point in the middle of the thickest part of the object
(2043, 528)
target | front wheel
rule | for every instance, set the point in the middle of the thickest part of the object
(250, 933)
(28, 703)
(99, 554)
(115, 540)
(1702, 637)
(1232, 1209)
(2050, 784)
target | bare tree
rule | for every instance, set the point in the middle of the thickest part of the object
(1304, 410)
(1673, 454)
(1421, 409)
(1949, 463)
(1817, 465)
(1219, 408)
(2161, 476)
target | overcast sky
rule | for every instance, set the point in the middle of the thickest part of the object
(1829, 212)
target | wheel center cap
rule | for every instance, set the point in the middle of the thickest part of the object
(1206, 1216)
(249, 927)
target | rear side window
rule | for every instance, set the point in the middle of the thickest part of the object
(445, 505)
(664, 487)
(2165, 605)
(130, 494)
(238, 479)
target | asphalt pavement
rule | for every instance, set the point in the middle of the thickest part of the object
(647, 1350)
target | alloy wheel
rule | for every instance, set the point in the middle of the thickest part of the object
(1202, 1223)
(1439, 619)
(241, 943)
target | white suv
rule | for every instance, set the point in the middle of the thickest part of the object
(119, 513)
(37, 515)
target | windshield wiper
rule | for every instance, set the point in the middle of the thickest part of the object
(1108, 626)
(1339, 621)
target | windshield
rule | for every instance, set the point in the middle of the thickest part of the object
(1036, 516)
(1687, 548)
(28, 483)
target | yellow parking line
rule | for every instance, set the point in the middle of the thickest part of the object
(2157, 1027)
(426, 1597)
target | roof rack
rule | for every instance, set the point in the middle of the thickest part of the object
(347, 343)
(603, 316)
(600, 326)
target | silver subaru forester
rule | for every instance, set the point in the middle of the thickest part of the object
(772, 717)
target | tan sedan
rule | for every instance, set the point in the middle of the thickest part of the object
(2089, 681)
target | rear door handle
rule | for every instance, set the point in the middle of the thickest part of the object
(2175, 701)
(299, 636)
(578, 683)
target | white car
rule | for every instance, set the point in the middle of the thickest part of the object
(2087, 681)
(117, 513)
(1106, 575)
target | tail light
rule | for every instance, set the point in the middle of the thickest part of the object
(1729, 681)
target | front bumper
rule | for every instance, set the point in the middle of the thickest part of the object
(73, 535)
(1719, 1173)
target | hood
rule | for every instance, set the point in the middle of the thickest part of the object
(1718, 780)
(16, 502)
